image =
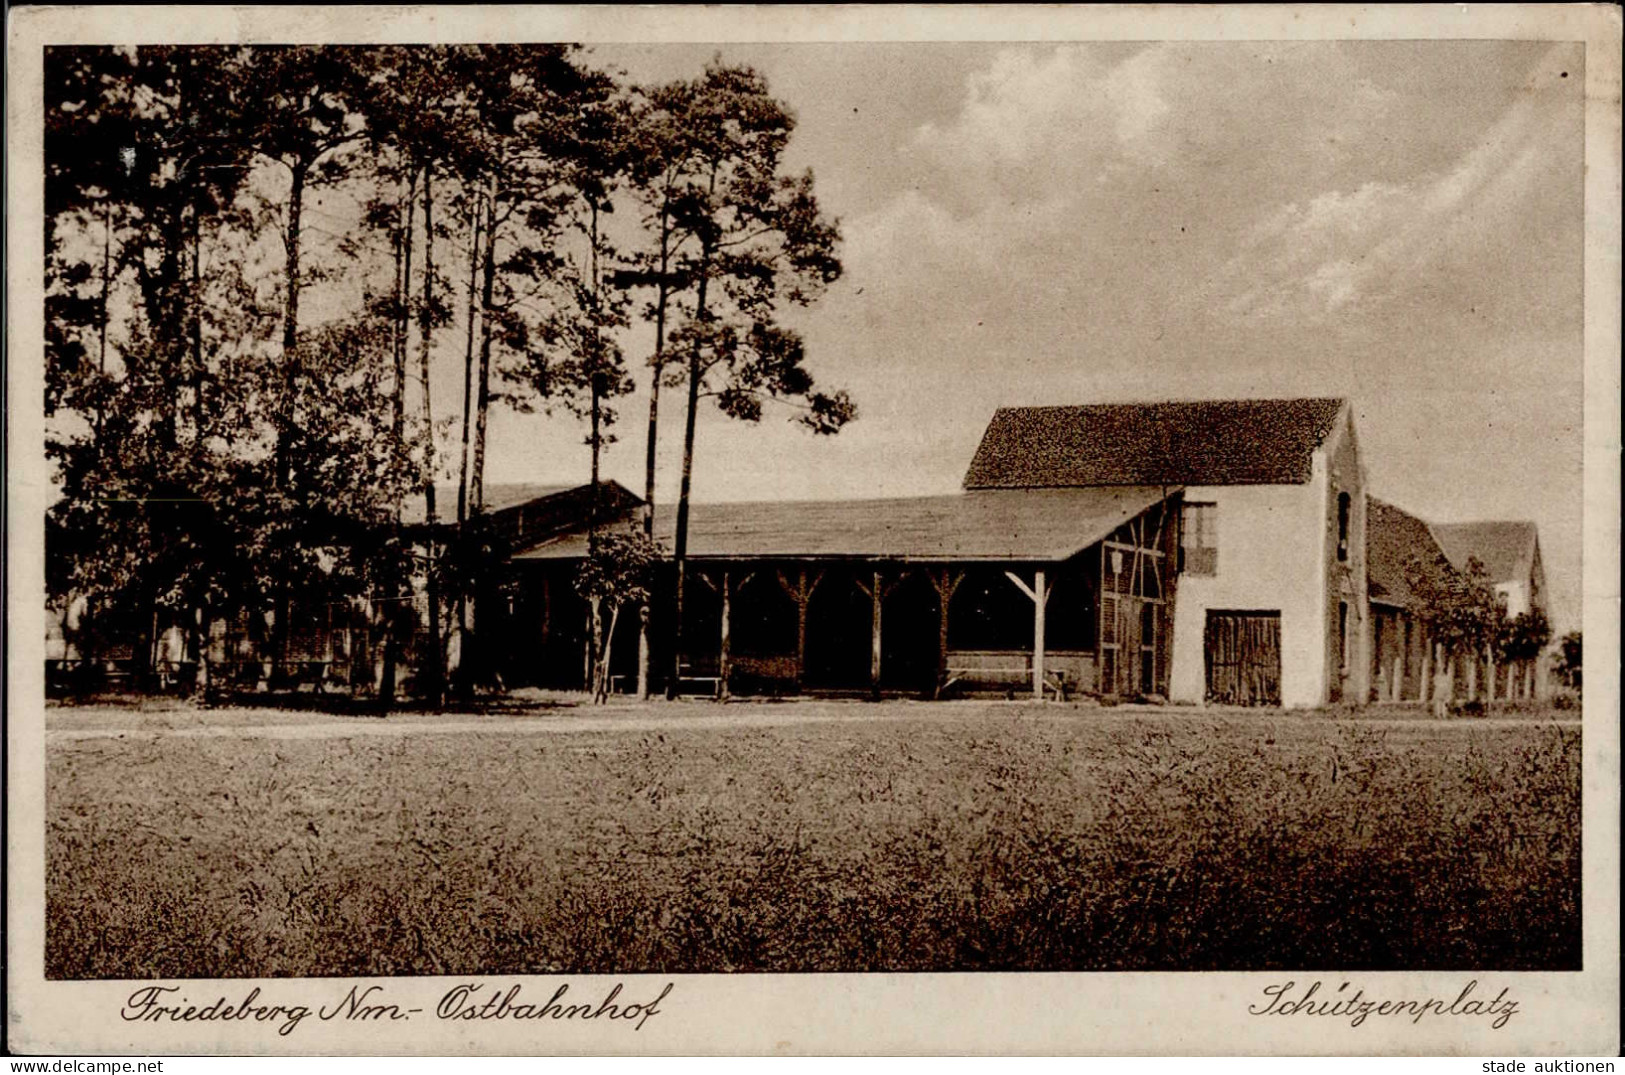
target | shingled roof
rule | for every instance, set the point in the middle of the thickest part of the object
(499, 496)
(1504, 548)
(1020, 525)
(1393, 538)
(1203, 442)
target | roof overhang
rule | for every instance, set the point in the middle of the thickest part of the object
(991, 526)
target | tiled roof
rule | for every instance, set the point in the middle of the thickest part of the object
(1504, 548)
(1393, 538)
(1207, 442)
(1044, 525)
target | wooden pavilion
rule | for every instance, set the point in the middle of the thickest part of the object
(1042, 590)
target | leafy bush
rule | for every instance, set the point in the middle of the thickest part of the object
(1569, 663)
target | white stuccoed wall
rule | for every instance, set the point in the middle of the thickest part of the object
(1517, 597)
(1271, 541)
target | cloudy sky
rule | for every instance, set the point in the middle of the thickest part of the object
(1397, 223)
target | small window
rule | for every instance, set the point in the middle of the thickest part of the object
(1199, 546)
(1343, 507)
(1343, 636)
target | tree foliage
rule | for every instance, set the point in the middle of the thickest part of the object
(1523, 637)
(616, 574)
(1460, 608)
(1569, 663)
(252, 254)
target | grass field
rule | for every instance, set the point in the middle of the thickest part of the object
(806, 837)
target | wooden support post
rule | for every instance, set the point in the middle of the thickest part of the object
(1039, 601)
(586, 654)
(1396, 690)
(945, 584)
(802, 595)
(1038, 593)
(801, 591)
(643, 652)
(1489, 658)
(727, 628)
(877, 597)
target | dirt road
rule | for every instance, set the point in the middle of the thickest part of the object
(69, 723)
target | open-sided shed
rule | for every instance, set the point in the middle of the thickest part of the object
(1033, 589)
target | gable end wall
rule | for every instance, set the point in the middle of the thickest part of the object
(1277, 552)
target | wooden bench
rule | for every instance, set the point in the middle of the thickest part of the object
(1008, 669)
(688, 672)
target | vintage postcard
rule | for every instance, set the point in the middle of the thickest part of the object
(813, 530)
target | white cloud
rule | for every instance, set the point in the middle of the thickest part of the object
(1058, 115)
(1345, 248)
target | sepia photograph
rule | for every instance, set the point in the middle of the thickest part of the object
(635, 509)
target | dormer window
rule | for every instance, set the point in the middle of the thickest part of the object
(1343, 506)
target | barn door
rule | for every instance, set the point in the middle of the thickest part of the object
(1244, 658)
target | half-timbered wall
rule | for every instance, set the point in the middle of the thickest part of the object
(1137, 577)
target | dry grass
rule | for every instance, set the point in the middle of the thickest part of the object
(965, 838)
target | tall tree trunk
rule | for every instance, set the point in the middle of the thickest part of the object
(662, 296)
(102, 313)
(146, 663)
(602, 694)
(426, 331)
(468, 361)
(596, 605)
(396, 592)
(680, 540)
(468, 403)
(201, 686)
(290, 331)
(195, 318)
(290, 384)
(402, 315)
(482, 404)
(389, 622)
(595, 380)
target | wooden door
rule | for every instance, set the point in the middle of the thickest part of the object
(1129, 638)
(1243, 651)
